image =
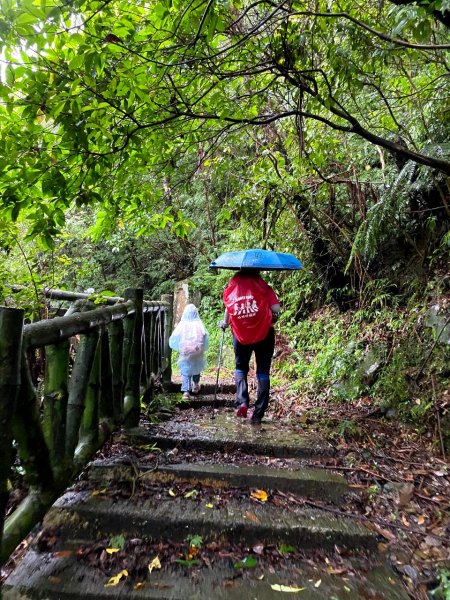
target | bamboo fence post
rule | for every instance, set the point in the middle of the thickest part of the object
(168, 322)
(27, 430)
(78, 385)
(106, 398)
(154, 342)
(116, 341)
(55, 402)
(147, 377)
(89, 428)
(35, 459)
(11, 326)
(132, 401)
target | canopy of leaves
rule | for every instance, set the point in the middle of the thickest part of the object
(101, 98)
(316, 128)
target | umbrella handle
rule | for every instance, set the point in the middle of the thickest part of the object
(219, 363)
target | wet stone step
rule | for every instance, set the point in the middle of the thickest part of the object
(206, 388)
(64, 576)
(314, 483)
(91, 515)
(200, 400)
(221, 430)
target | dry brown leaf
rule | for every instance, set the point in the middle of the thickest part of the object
(252, 517)
(62, 554)
(139, 585)
(384, 532)
(231, 583)
(258, 549)
(405, 494)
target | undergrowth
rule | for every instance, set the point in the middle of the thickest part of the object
(381, 352)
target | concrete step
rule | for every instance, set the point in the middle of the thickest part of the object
(313, 483)
(63, 576)
(202, 512)
(206, 388)
(201, 400)
(223, 431)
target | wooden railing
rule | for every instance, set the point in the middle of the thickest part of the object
(97, 364)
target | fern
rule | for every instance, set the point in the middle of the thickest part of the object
(391, 212)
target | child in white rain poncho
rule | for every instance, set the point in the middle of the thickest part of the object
(191, 339)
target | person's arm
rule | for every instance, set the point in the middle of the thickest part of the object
(226, 320)
(275, 308)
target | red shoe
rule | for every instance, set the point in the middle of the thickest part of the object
(242, 411)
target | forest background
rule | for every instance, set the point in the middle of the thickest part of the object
(140, 140)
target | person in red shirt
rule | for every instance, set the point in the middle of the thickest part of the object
(251, 308)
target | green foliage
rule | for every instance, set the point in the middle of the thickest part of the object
(322, 353)
(120, 110)
(195, 540)
(286, 549)
(347, 429)
(249, 562)
(160, 407)
(118, 541)
(442, 591)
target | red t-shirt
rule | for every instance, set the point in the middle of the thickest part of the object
(248, 299)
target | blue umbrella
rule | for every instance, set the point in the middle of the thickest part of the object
(265, 260)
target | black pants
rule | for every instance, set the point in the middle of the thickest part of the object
(263, 356)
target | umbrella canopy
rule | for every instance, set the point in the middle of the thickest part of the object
(265, 260)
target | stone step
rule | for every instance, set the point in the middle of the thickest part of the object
(62, 576)
(201, 400)
(206, 388)
(83, 515)
(223, 431)
(313, 483)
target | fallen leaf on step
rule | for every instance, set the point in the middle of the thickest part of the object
(252, 517)
(258, 549)
(286, 588)
(139, 585)
(191, 494)
(260, 495)
(115, 579)
(62, 554)
(155, 564)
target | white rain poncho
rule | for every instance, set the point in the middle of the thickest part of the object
(190, 338)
